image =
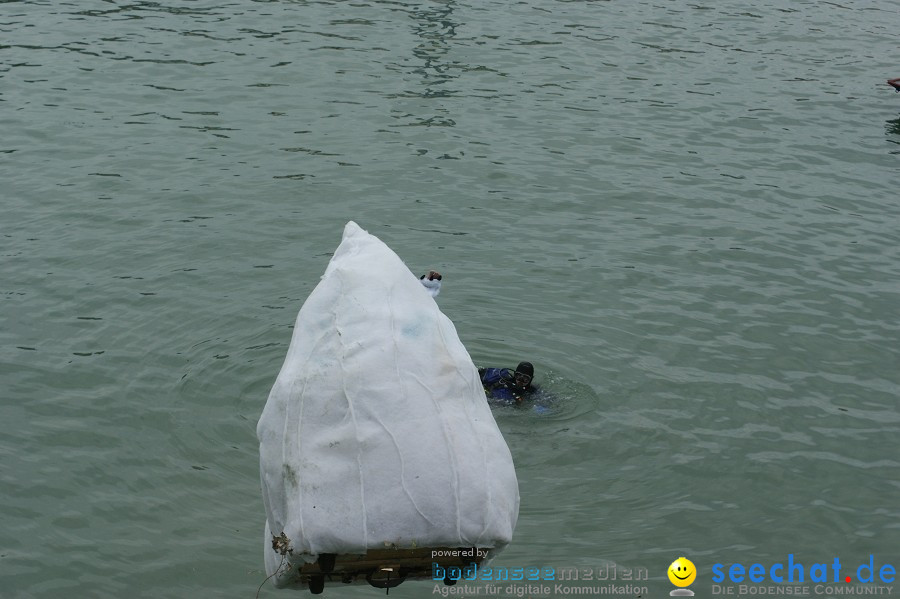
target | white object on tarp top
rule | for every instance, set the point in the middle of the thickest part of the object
(432, 285)
(377, 433)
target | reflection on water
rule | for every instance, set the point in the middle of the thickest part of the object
(893, 128)
(436, 29)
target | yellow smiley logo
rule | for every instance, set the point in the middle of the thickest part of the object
(682, 572)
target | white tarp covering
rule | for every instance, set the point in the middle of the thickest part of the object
(376, 432)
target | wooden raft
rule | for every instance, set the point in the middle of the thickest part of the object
(384, 568)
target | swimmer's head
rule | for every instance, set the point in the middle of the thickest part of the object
(524, 373)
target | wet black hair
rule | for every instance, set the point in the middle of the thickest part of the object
(525, 368)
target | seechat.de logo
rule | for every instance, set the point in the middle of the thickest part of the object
(793, 571)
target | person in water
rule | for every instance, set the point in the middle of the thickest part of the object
(895, 83)
(511, 386)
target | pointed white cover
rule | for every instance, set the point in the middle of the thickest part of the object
(376, 432)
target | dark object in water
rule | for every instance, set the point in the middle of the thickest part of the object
(384, 568)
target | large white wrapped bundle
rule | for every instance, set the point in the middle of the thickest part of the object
(377, 433)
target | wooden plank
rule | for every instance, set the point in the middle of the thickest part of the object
(383, 566)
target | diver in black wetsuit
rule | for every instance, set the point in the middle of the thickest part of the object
(510, 386)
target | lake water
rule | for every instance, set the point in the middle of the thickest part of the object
(683, 213)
